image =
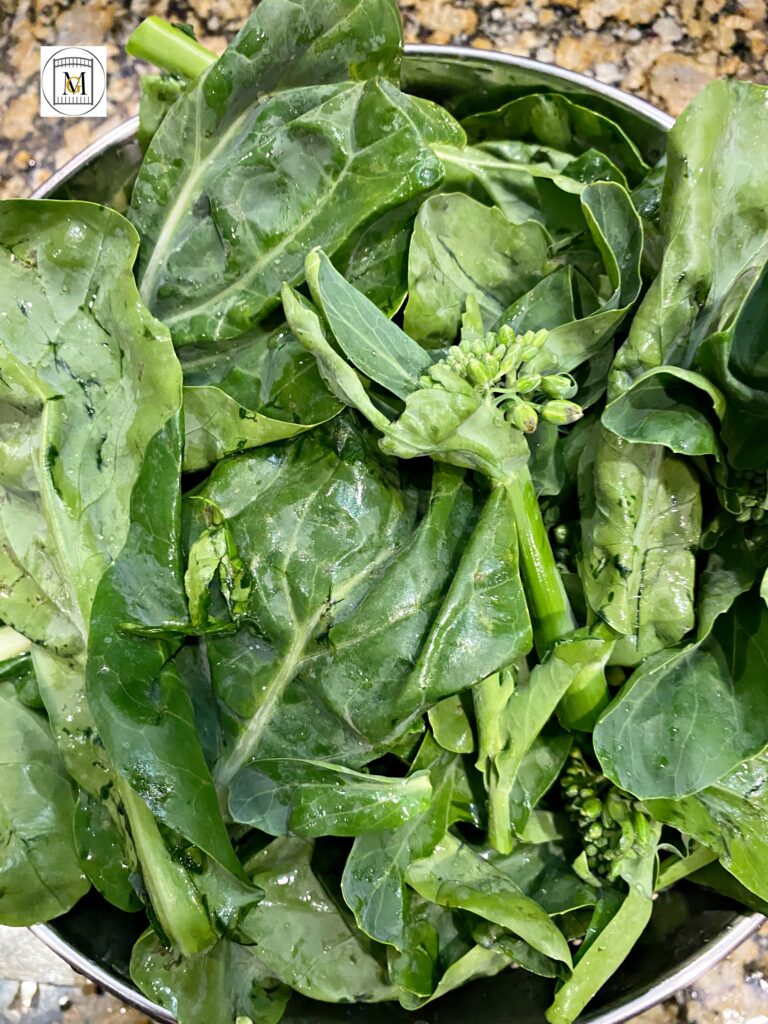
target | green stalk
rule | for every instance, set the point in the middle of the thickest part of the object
(585, 700)
(551, 614)
(168, 48)
(676, 868)
(548, 602)
(491, 699)
(175, 900)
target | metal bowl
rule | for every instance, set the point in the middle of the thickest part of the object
(691, 928)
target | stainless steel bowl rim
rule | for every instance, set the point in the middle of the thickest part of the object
(713, 951)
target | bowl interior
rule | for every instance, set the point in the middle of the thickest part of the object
(691, 928)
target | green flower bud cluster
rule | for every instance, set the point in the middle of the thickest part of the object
(499, 365)
(611, 824)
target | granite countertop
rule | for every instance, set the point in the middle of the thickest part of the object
(664, 51)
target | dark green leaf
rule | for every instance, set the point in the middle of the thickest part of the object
(454, 876)
(729, 818)
(374, 876)
(461, 247)
(376, 346)
(333, 961)
(286, 796)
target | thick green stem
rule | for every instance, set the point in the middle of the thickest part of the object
(548, 602)
(176, 902)
(585, 700)
(168, 48)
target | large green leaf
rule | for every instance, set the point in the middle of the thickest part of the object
(641, 520)
(304, 938)
(287, 796)
(100, 390)
(288, 141)
(714, 220)
(688, 716)
(729, 818)
(227, 983)
(40, 874)
(390, 583)
(144, 715)
(461, 247)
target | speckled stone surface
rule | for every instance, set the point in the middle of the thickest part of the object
(663, 51)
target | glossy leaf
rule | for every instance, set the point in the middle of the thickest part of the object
(387, 579)
(106, 854)
(676, 408)
(334, 961)
(227, 983)
(641, 518)
(40, 874)
(376, 346)
(554, 120)
(461, 247)
(689, 716)
(280, 152)
(729, 818)
(373, 883)
(455, 877)
(713, 221)
(286, 796)
(617, 923)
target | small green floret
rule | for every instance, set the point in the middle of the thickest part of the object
(498, 365)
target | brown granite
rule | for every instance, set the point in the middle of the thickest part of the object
(665, 51)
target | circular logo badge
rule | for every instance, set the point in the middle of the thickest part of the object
(73, 81)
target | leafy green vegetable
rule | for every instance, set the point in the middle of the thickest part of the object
(309, 633)
(556, 121)
(334, 962)
(454, 876)
(728, 817)
(374, 876)
(711, 690)
(40, 875)
(242, 127)
(460, 248)
(227, 983)
(285, 796)
(641, 520)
